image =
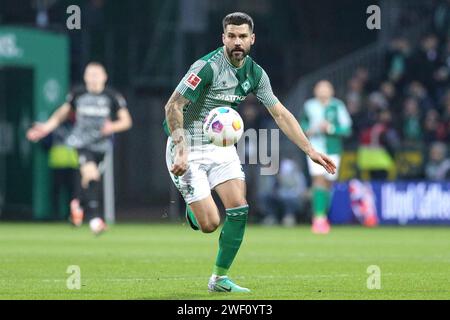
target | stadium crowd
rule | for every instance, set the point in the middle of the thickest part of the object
(408, 109)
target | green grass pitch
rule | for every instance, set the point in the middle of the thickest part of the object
(171, 261)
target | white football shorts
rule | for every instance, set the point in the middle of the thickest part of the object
(208, 166)
(317, 170)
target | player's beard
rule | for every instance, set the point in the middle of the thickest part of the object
(237, 54)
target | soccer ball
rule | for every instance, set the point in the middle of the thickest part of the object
(223, 126)
(97, 225)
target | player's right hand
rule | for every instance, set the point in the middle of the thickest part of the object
(180, 164)
(37, 132)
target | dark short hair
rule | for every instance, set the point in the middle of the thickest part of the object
(95, 64)
(238, 18)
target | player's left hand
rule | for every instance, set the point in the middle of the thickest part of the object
(324, 126)
(108, 128)
(37, 132)
(324, 161)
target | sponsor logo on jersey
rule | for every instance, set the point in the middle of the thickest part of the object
(230, 97)
(93, 111)
(192, 81)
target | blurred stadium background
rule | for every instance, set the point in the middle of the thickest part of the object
(400, 72)
(394, 81)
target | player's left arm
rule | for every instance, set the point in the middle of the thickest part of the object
(288, 123)
(291, 128)
(123, 121)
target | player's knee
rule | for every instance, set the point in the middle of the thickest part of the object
(240, 202)
(210, 226)
(89, 172)
(320, 182)
(207, 228)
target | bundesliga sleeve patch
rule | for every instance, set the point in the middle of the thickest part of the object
(192, 81)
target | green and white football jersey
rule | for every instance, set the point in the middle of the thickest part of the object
(213, 81)
(314, 113)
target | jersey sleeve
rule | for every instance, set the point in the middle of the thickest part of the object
(344, 123)
(264, 91)
(304, 119)
(118, 102)
(193, 84)
(71, 96)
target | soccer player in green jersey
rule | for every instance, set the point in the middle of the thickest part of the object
(223, 77)
(326, 122)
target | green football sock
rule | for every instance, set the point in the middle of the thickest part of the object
(192, 216)
(230, 238)
(321, 200)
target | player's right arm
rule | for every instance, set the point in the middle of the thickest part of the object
(174, 117)
(41, 130)
(193, 84)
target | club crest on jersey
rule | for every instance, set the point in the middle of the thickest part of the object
(192, 81)
(246, 85)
